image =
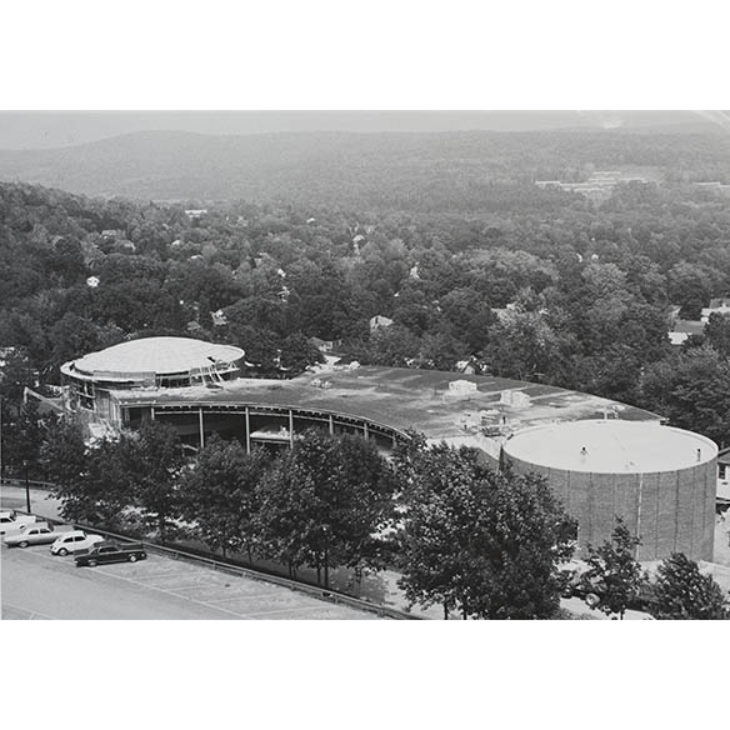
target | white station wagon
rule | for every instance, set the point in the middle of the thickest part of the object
(11, 522)
(74, 541)
(39, 533)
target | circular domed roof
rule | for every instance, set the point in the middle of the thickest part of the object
(159, 355)
(611, 446)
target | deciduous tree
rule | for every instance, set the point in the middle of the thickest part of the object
(16, 373)
(681, 591)
(218, 494)
(103, 494)
(298, 353)
(152, 459)
(22, 437)
(522, 345)
(717, 332)
(483, 543)
(323, 503)
(614, 574)
(63, 452)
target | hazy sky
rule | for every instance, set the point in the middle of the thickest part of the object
(28, 130)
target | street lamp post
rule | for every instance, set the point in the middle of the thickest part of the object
(27, 487)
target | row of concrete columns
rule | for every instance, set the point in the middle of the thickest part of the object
(247, 415)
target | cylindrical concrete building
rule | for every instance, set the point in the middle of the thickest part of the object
(152, 362)
(662, 481)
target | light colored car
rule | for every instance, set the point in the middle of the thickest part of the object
(37, 534)
(11, 522)
(73, 541)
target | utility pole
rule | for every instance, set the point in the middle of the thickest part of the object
(326, 531)
(1, 439)
(27, 487)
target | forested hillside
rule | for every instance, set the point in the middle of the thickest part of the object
(460, 171)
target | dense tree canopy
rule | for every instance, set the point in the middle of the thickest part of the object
(152, 461)
(323, 503)
(479, 542)
(218, 494)
(692, 389)
(519, 280)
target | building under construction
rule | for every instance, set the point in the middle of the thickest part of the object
(616, 459)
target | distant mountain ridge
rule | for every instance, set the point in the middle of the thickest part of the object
(345, 167)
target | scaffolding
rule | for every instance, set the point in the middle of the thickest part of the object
(212, 373)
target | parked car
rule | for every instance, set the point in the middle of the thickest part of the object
(74, 541)
(111, 552)
(12, 522)
(39, 533)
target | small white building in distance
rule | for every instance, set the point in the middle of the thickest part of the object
(717, 306)
(379, 321)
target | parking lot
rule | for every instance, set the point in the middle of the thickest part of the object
(36, 585)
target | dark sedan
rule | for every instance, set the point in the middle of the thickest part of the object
(111, 552)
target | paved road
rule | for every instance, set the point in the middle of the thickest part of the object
(36, 585)
(41, 503)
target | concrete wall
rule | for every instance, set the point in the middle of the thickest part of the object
(671, 511)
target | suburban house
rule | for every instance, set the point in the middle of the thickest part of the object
(717, 306)
(723, 476)
(379, 321)
(683, 328)
(325, 346)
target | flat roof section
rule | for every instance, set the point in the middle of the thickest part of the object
(158, 355)
(441, 405)
(611, 447)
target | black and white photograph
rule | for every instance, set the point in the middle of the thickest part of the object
(302, 328)
(479, 372)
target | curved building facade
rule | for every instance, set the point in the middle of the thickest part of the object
(197, 385)
(662, 481)
(601, 457)
(149, 363)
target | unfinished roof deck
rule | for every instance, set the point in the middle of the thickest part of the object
(441, 405)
